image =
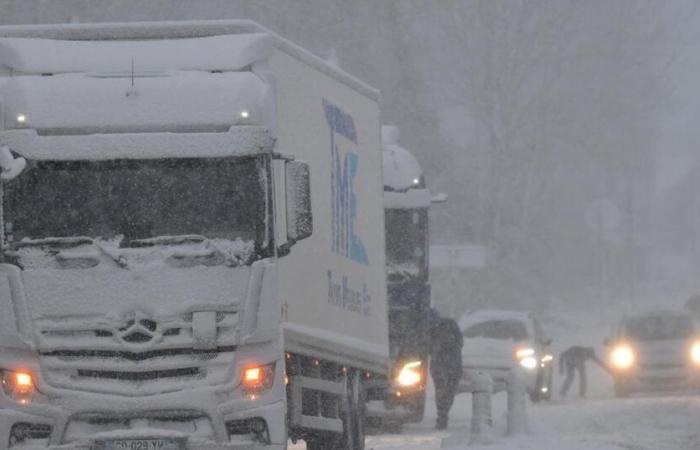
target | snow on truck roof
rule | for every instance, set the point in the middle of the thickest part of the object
(33, 56)
(401, 169)
(176, 30)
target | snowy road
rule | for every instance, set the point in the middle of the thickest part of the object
(646, 423)
(650, 423)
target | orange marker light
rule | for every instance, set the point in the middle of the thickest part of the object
(23, 380)
(253, 375)
(258, 378)
(18, 386)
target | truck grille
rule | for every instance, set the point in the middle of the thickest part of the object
(140, 376)
(101, 357)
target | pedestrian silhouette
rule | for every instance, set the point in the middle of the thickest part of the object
(573, 360)
(446, 342)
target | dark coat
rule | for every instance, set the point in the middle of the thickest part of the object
(446, 343)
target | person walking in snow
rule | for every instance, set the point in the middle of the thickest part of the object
(574, 360)
(446, 342)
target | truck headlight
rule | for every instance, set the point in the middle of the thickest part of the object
(622, 356)
(18, 385)
(410, 374)
(695, 353)
(257, 379)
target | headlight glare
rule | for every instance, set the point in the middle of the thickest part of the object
(18, 385)
(257, 379)
(524, 352)
(410, 374)
(529, 362)
(622, 357)
(695, 353)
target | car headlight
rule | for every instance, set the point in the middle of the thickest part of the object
(622, 357)
(695, 353)
(410, 374)
(18, 385)
(526, 357)
(529, 362)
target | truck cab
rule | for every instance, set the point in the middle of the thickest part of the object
(147, 212)
(406, 205)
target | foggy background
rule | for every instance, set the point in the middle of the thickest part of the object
(565, 132)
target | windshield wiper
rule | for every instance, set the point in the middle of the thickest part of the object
(61, 242)
(163, 240)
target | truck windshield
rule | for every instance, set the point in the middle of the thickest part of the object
(406, 243)
(220, 198)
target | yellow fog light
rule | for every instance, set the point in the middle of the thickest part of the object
(622, 357)
(410, 374)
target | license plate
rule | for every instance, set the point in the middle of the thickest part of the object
(140, 444)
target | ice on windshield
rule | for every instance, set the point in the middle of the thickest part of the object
(504, 330)
(406, 244)
(138, 200)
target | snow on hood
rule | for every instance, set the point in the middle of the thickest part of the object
(223, 53)
(160, 280)
(489, 349)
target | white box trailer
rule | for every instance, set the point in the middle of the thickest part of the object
(160, 285)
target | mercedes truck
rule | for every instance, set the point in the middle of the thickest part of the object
(193, 242)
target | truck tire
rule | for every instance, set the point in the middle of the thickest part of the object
(353, 437)
(417, 409)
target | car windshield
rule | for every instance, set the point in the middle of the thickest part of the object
(406, 242)
(653, 328)
(507, 330)
(220, 198)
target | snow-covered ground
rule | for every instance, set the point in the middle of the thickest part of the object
(650, 423)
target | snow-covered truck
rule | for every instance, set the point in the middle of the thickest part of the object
(173, 274)
(406, 201)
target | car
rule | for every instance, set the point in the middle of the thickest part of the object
(495, 341)
(653, 351)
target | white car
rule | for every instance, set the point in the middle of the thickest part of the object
(657, 350)
(496, 341)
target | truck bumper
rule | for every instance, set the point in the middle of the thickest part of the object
(80, 424)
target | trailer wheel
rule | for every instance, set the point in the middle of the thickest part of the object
(353, 437)
(357, 400)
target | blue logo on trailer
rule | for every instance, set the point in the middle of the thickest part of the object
(343, 199)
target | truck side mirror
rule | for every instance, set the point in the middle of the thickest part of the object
(10, 167)
(299, 215)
